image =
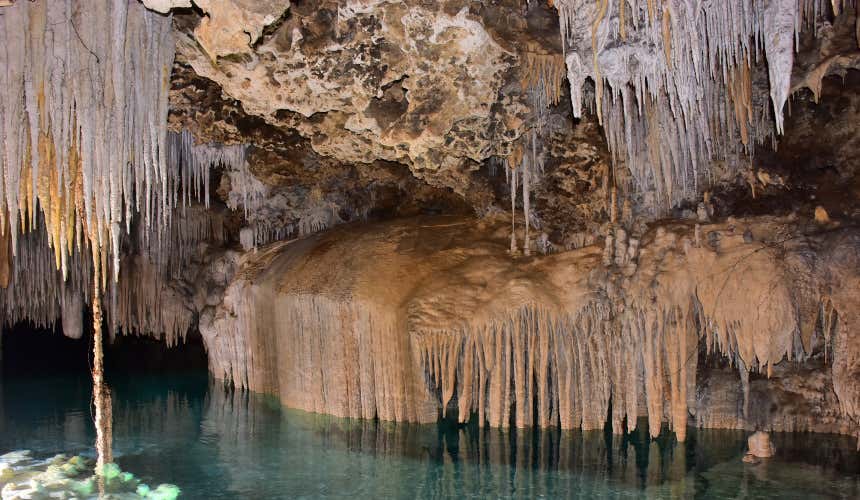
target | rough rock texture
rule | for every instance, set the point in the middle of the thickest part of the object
(414, 319)
(350, 86)
(298, 182)
(358, 80)
(440, 95)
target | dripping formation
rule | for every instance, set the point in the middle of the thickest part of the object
(85, 150)
(84, 120)
(542, 79)
(671, 82)
(559, 341)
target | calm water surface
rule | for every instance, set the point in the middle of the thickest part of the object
(214, 443)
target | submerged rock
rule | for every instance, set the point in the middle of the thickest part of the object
(23, 477)
(760, 445)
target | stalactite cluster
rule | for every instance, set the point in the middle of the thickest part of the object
(84, 107)
(38, 292)
(141, 302)
(542, 76)
(191, 163)
(524, 171)
(545, 72)
(151, 297)
(672, 81)
(285, 215)
(102, 206)
(86, 156)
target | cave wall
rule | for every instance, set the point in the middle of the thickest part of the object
(418, 319)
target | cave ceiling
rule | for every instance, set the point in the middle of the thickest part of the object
(396, 108)
(387, 107)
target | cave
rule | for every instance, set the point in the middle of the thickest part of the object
(429, 248)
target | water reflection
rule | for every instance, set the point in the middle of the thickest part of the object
(380, 459)
(218, 443)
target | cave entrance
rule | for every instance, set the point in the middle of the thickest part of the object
(30, 351)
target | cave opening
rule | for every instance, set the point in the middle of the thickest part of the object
(30, 351)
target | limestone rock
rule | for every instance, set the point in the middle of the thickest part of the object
(363, 71)
(233, 26)
(426, 85)
(760, 445)
(413, 319)
(164, 6)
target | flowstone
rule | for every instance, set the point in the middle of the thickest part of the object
(422, 318)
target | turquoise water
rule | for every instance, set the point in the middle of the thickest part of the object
(214, 443)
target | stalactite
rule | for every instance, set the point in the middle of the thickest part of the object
(101, 393)
(192, 163)
(526, 175)
(142, 302)
(5, 259)
(525, 163)
(37, 291)
(544, 72)
(514, 161)
(84, 106)
(677, 63)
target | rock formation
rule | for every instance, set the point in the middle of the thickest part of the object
(760, 445)
(548, 213)
(431, 317)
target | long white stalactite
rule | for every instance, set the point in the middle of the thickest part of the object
(142, 301)
(84, 128)
(85, 156)
(672, 81)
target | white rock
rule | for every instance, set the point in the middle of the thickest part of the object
(164, 6)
